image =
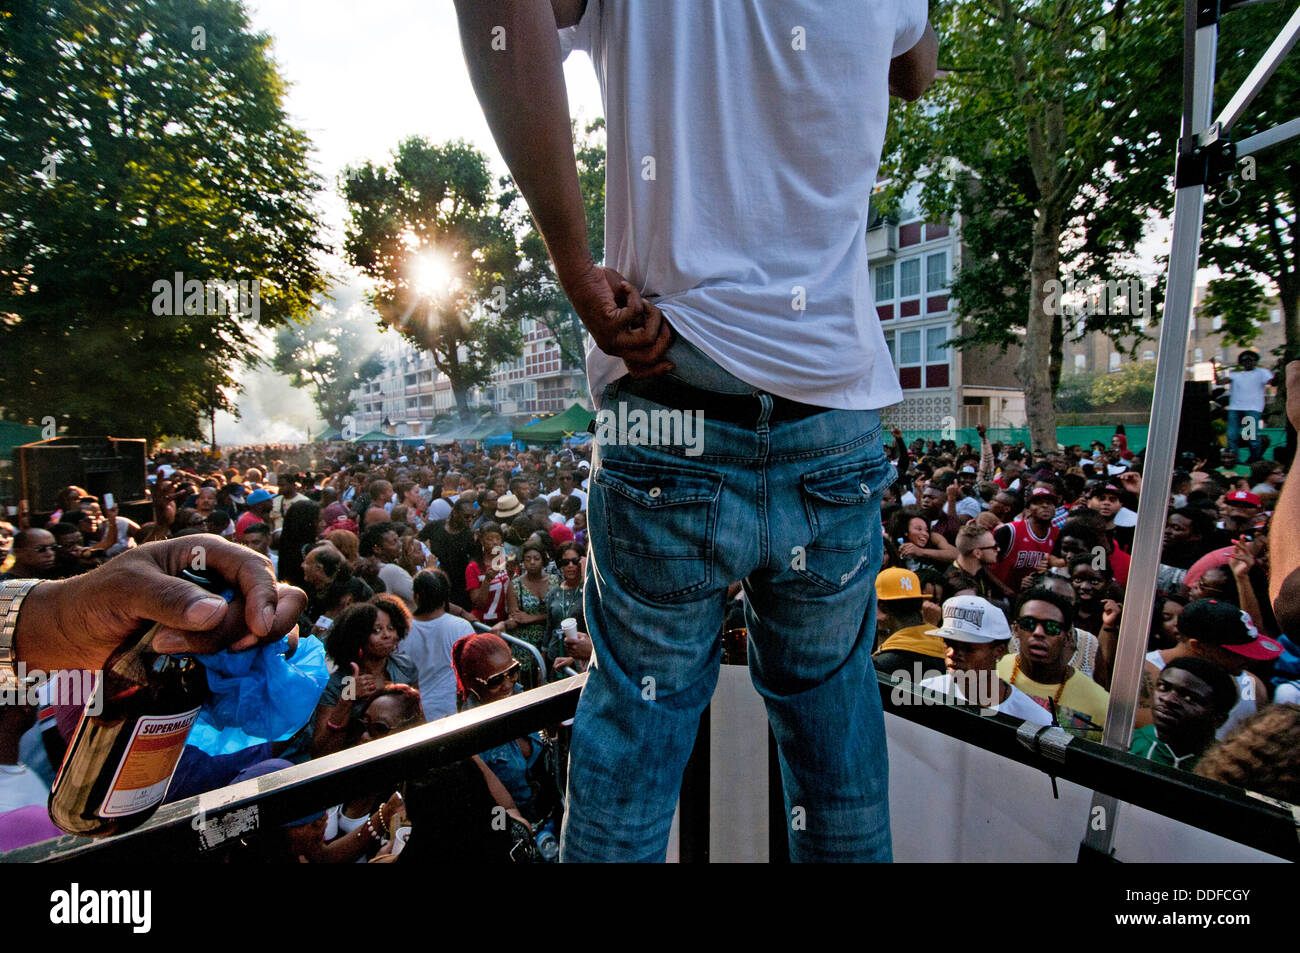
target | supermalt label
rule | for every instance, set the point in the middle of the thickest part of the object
(141, 778)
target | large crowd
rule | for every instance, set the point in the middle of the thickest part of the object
(438, 580)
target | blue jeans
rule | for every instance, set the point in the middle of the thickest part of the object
(1235, 418)
(793, 510)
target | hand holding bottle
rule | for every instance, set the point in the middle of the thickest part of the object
(79, 622)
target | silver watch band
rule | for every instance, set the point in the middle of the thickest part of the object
(12, 594)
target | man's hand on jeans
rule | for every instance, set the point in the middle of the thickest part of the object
(622, 323)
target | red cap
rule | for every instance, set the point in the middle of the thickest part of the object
(1243, 496)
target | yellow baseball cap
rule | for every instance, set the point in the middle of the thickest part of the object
(896, 583)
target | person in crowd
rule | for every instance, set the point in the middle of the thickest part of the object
(1087, 649)
(969, 573)
(917, 545)
(975, 635)
(569, 488)
(531, 590)
(434, 631)
(34, 553)
(565, 602)
(259, 511)
(1093, 588)
(1240, 509)
(454, 817)
(1043, 627)
(257, 537)
(302, 527)
(346, 542)
(1189, 535)
(1191, 701)
(1266, 476)
(381, 543)
(486, 672)
(910, 648)
(322, 567)
(363, 645)
(939, 507)
(1262, 754)
(1164, 622)
(451, 540)
(1284, 548)
(1025, 545)
(1220, 633)
(486, 579)
(1246, 403)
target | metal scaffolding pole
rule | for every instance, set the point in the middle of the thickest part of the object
(1204, 155)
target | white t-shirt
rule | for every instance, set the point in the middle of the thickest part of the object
(1018, 704)
(398, 581)
(558, 494)
(428, 645)
(743, 145)
(1248, 389)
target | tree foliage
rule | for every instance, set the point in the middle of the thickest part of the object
(141, 139)
(328, 355)
(1052, 134)
(1239, 301)
(535, 291)
(434, 210)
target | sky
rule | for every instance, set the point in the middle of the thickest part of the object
(364, 75)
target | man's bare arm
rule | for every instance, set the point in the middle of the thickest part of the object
(513, 54)
(568, 12)
(911, 73)
(1283, 539)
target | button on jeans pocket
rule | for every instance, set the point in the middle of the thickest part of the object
(843, 508)
(660, 522)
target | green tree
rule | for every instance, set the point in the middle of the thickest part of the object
(1258, 234)
(535, 291)
(1052, 134)
(429, 230)
(1239, 300)
(329, 355)
(1132, 386)
(141, 140)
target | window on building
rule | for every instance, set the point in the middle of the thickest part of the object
(884, 282)
(1114, 360)
(1275, 316)
(936, 272)
(1080, 363)
(909, 278)
(1217, 323)
(1198, 355)
(909, 348)
(1148, 356)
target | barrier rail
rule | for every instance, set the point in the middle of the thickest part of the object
(267, 802)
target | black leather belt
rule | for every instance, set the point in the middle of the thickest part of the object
(741, 409)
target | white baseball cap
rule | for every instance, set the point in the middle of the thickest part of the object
(972, 619)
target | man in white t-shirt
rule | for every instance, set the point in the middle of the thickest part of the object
(977, 635)
(1246, 404)
(736, 320)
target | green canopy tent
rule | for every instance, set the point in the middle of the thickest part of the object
(375, 436)
(554, 429)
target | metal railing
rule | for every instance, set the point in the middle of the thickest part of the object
(176, 834)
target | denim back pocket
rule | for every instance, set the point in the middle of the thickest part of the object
(660, 521)
(843, 508)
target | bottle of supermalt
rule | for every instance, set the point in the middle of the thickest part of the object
(131, 734)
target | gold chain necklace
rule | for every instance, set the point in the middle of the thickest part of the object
(1015, 670)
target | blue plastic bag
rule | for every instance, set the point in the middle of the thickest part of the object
(259, 695)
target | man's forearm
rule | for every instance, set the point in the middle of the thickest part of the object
(911, 73)
(513, 54)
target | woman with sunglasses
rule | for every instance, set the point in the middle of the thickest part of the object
(363, 644)
(486, 672)
(1044, 627)
(565, 602)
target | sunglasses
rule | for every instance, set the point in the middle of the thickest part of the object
(376, 729)
(493, 682)
(1050, 626)
(569, 562)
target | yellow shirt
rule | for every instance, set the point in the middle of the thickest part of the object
(914, 639)
(1082, 701)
